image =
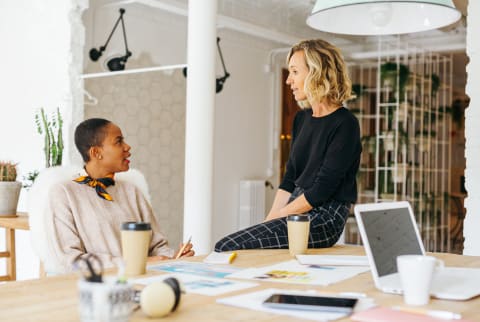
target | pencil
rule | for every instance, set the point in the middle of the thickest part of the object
(180, 252)
(433, 313)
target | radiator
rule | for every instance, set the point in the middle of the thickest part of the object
(251, 203)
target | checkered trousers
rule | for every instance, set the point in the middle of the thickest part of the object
(326, 225)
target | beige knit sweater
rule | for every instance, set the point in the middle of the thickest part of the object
(85, 223)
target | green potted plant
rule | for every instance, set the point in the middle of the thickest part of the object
(457, 112)
(435, 83)
(369, 143)
(389, 72)
(9, 189)
(51, 128)
(389, 140)
(358, 90)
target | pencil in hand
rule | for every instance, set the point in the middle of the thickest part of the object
(180, 252)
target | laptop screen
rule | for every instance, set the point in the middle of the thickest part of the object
(390, 233)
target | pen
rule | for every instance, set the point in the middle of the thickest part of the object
(447, 315)
(180, 252)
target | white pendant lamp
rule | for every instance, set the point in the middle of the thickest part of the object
(371, 17)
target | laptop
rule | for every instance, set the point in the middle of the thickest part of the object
(389, 230)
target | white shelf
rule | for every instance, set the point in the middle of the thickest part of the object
(422, 166)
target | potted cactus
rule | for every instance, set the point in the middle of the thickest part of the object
(9, 189)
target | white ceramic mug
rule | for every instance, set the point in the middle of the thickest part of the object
(416, 274)
(107, 301)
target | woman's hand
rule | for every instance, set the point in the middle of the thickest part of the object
(184, 251)
(273, 215)
(281, 199)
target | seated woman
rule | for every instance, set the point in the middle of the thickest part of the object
(324, 156)
(87, 212)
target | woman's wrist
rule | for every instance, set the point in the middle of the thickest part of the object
(283, 212)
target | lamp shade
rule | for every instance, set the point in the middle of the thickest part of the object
(371, 17)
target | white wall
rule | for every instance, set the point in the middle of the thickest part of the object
(472, 133)
(242, 125)
(148, 107)
(242, 113)
(40, 64)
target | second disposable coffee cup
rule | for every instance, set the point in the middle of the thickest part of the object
(298, 232)
(135, 242)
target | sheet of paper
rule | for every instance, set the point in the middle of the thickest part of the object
(199, 284)
(254, 300)
(294, 272)
(335, 260)
(195, 268)
(220, 258)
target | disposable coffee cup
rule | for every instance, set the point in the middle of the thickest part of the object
(298, 231)
(136, 238)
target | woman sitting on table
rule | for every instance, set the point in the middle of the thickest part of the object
(87, 212)
(324, 157)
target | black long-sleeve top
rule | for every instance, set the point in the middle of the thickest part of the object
(324, 156)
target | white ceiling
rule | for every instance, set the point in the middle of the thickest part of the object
(289, 16)
(285, 20)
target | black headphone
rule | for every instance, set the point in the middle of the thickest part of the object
(220, 80)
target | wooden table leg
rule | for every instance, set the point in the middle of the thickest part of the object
(11, 260)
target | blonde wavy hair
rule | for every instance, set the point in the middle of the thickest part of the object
(327, 78)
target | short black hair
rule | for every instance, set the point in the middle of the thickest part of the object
(90, 133)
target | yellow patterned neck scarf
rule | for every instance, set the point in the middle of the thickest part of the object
(99, 184)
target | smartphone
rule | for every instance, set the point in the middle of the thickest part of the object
(313, 303)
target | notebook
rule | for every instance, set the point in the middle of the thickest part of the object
(389, 230)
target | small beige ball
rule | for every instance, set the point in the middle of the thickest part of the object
(157, 299)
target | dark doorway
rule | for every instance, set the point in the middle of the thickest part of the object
(289, 109)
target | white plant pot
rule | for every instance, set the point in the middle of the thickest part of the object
(424, 146)
(389, 142)
(9, 193)
(400, 175)
(402, 111)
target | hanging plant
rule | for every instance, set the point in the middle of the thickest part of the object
(358, 90)
(369, 143)
(388, 75)
(435, 83)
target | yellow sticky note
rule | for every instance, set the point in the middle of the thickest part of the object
(220, 258)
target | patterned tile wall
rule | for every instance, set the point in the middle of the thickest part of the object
(150, 110)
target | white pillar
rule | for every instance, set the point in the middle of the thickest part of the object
(472, 133)
(199, 124)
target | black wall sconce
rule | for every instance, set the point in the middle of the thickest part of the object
(220, 80)
(116, 63)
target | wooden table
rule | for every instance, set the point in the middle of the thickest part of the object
(10, 223)
(55, 298)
